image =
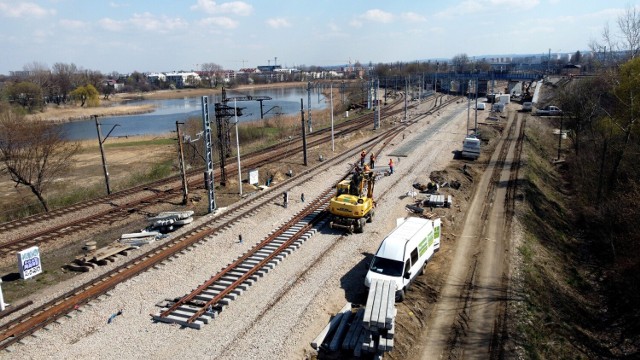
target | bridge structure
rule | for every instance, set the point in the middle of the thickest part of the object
(462, 82)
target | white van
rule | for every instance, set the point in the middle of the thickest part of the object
(404, 253)
(480, 106)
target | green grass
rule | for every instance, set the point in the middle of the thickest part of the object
(151, 142)
(158, 171)
(76, 195)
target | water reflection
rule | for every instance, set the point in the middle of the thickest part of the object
(163, 119)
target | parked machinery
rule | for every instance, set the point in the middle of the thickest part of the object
(353, 204)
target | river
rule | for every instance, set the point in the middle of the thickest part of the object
(163, 119)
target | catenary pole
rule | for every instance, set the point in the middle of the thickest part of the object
(235, 111)
(333, 147)
(183, 172)
(104, 159)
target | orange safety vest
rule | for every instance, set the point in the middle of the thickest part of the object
(390, 162)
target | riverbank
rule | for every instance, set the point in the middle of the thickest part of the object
(116, 105)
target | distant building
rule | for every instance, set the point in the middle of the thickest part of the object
(20, 73)
(156, 78)
(183, 79)
(269, 68)
(113, 84)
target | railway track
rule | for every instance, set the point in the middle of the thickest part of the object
(205, 302)
(46, 229)
(209, 299)
(37, 318)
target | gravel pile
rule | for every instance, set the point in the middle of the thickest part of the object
(279, 315)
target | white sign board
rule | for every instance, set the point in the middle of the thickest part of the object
(29, 262)
(253, 177)
(2, 304)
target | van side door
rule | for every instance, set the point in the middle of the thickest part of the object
(406, 278)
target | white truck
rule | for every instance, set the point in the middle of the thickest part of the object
(403, 254)
(471, 147)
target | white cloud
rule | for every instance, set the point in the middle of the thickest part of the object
(114, 4)
(333, 27)
(24, 10)
(162, 24)
(413, 17)
(145, 22)
(234, 7)
(222, 22)
(486, 6)
(278, 23)
(514, 4)
(72, 24)
(377, 15)
(111, 25)
(355, 23)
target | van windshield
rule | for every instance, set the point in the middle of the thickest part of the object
(386, 266)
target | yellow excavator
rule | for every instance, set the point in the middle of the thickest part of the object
(353, 204)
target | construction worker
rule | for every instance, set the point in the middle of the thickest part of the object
(285, 199)
(363, 155)
(390, 166)
(372, 160)
(366, 168)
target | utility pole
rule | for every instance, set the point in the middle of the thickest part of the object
(560, 136)
(183, 172)
(304, 135)
(238, 148)
(377, 107)
(468, 106)
(406, 94)
(333, 148)
(309, 107)
(386, 89)
(476, 121)
(369, 89)
(104, 159)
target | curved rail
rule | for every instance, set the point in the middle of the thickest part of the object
(28, 323)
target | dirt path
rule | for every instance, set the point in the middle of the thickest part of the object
(466, 320)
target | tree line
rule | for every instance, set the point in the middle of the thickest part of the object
(602, 116)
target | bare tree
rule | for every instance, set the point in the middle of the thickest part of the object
(33, 153)
(460, 62)
(211, 70)
(629, 24)
(64, 78)
(39, 74)
(629, 33)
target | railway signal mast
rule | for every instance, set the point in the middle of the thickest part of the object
(224, 113)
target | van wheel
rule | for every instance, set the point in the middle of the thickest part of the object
(422, 268)
(400, 296)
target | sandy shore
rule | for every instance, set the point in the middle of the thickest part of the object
(116, 105)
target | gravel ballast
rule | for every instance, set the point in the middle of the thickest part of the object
(278, 316)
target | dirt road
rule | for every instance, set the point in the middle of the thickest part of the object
(467, 320)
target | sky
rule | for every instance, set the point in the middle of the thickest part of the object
(164, 35)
